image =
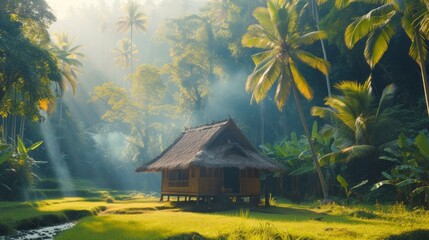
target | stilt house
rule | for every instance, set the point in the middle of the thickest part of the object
(210, 161)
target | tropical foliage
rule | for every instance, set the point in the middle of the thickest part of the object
(278, 35)
(16, 170)
(381, 23)
(357, 116)
(133, 18)
(410, 159)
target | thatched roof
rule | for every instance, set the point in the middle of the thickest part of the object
(220, 144)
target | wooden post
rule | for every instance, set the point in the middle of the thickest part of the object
(162, 198)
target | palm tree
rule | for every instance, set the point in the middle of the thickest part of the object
(379, 26)
(125, 53)
(69, 62)
(133, 18)
(356, 114)
(360, 126)
(277, 34)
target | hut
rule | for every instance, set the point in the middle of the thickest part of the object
(210, 161)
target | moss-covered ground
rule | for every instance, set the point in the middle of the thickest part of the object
(138, 217)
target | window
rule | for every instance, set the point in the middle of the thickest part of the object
(178, 178)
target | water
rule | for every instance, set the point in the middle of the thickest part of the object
(46, 233)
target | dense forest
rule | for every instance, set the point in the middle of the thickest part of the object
(111, 84)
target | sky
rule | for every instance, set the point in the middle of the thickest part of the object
(62, 7)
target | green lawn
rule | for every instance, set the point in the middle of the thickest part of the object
(147, 218)
(327, 222)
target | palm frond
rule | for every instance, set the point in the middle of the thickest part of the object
(254, 78)
(365, 24)
(347, 154)
(257, 37)
(386, 96)
(377, 44)
(266, 81)
(315, 62)
(309, 38)
(258, 57)
(263, 17)
(283, 90)
(418, 42)
(300, 82)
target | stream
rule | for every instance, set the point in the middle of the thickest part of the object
(45, 233)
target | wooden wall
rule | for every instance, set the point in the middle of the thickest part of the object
(210, 185)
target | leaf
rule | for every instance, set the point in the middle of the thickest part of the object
(343, 182)
(381, 183)
(303, 170)
(367, 23)
(35, 145)
(346, 154)
(314, 130)
(420, 190)
(310, 38)
(314, 62)
(390, 159)
(402, 141)
(386, 96)
(423, 144)
(21, 147)
(360, 184)
(300, 82)
(407, 182)
(5, 156)
(386, 175)
(377, 44)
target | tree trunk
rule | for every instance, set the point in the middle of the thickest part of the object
(14, 141)
(131, 55)
(313, 150)
(267, 192)
(22, 127)
(325, 57)
(261, 110)
(423, 71)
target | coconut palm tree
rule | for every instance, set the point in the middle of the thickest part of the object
(379, 26)
(278, 35)
(125, 53)
(133, 18)
(356, 113)
(69, 62)
(359, 121)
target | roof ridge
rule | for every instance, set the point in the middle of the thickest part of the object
(208, 125)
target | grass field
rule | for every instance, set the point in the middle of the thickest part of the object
(147, 218)
(307, 222)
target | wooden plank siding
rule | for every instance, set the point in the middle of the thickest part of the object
(209, 185)
(249, 186)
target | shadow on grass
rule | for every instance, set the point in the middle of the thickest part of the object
(295, 215)
(419, 234)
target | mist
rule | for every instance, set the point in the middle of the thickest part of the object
(122, 130)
